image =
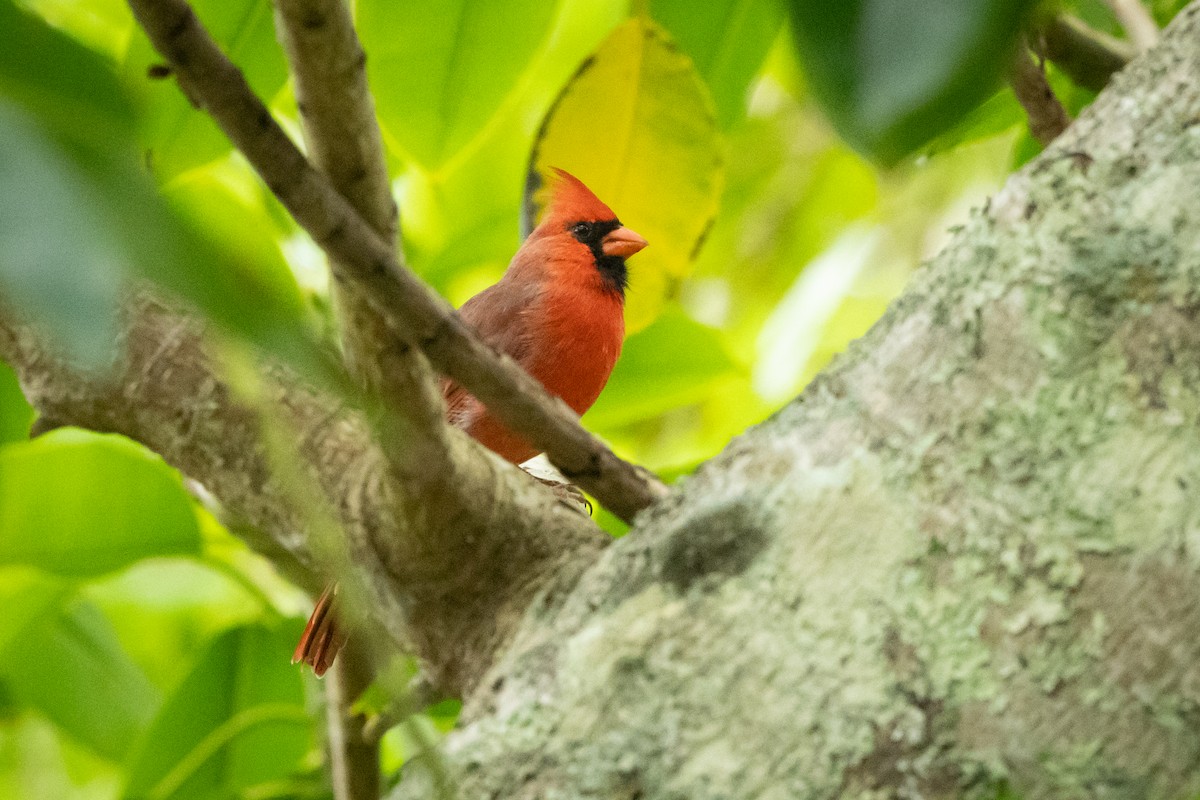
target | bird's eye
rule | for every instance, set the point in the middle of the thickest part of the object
(581, 230)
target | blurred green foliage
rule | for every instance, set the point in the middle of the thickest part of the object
(144, 649)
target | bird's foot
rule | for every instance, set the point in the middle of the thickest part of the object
(567, 493)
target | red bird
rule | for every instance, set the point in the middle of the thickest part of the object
(558, 311)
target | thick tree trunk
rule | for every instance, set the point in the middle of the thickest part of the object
(965, 558)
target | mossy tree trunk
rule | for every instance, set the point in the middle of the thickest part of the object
(965, 558)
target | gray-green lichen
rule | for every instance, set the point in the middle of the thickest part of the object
(966, 558)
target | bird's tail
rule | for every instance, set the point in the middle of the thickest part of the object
(321, 640)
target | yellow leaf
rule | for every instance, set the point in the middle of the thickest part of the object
(637, 125)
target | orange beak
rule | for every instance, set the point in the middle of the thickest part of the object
(622, 242)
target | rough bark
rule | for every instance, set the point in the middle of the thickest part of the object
(965, 557)
(450, 578)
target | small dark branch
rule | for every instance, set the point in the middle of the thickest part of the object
(412, 310)
(1087, 56)
(1047, 117)
(353, 755)
(1135, 18)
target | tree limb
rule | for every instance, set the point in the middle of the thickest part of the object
(448, 578)
(417, 314)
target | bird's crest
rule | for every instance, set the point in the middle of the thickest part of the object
(571, 200)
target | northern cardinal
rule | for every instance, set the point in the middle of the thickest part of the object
(558, 311)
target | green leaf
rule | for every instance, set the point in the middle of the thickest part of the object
(885, 95)
(80, 504)
(673, 362)
(103, 25)
(441, 70)
(96, 220)
(60, 263)
(998, 114)
(727, 40)
(15, 414)
(70, 89)
(27, 597)
(237, 719)
(659, 162)
(178, 136)
(1165, 10)
(71, 667)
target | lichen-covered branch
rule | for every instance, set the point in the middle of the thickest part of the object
(415, 313)
(964, 563)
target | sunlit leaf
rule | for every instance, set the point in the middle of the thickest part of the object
(673, 362)
(67, 250)
(176, 135)
(637, 125)
(793, 334)
(230, 209)
(60, 262)
(28, 597)
(79, 503)
(70, 666)
(68, 88)
(236, 720)
(727, 40)
(440, 70)
(15, 414)
(461, 224)
(1165, 10)
(885, 93)
(103, 25)
(999, 113)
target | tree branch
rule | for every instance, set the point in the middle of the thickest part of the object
(354, 755)
(1136, 20)
(337, 113)
(416, 314)
(448, 578)
(1047, 117)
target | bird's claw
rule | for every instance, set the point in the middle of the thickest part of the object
(567, 493)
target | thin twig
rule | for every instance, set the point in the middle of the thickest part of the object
(1135, 18)
(354, 756)
(1087, 56)
(1047, 117)
(411, 309)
